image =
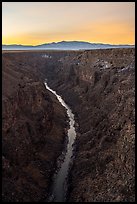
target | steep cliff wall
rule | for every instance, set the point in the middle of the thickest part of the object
(33, 132)
(99, 85)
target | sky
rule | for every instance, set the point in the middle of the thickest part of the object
(33, 23)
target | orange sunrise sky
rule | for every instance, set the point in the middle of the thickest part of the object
(33, 23)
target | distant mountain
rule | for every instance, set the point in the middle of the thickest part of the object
(16, 47)
(65, 45)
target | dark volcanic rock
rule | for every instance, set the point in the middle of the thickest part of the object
(33, 133)
(99, 85)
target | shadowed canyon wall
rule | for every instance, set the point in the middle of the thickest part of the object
(99, 86)
(33, 132)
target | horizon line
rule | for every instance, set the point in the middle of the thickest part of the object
(65, 41)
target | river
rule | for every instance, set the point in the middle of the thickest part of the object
(59, 186)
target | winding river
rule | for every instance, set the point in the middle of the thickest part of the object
(59, 182)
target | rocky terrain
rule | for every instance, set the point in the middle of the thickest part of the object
(33, 132)
(99, 86)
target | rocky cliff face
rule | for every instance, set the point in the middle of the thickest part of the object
(33, 133)
(99, 85)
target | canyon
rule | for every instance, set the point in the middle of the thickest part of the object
(99, 87)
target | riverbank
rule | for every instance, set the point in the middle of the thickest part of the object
(59, 187)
